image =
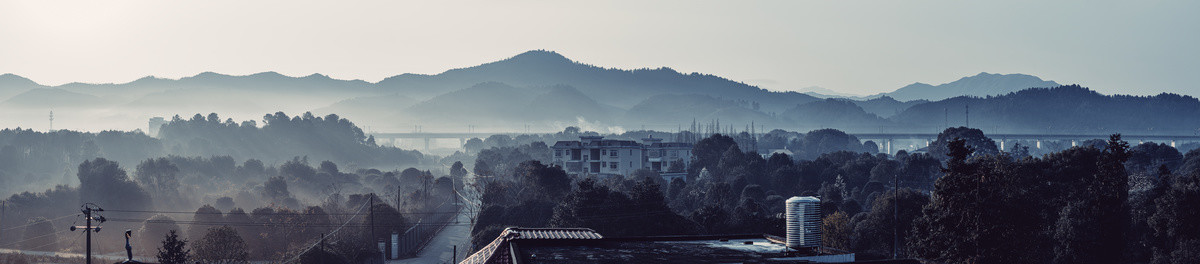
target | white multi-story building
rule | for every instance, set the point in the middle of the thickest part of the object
(594, 155)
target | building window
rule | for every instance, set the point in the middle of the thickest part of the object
(612, 153)
(603, 152)
(603, 164)
(613, 165)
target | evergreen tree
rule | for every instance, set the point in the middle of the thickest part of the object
(173, 250)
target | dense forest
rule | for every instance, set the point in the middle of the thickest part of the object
(220, 183)
(274, 212)
(274, 188)
(34, 160)
(1101, 202)
(280, 138)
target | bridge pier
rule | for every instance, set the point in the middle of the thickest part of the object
(462, 144)
(1002, 144)
(1172, 143)
(889, 146)
(1039, 144)
(1073, 143)
(426, 144)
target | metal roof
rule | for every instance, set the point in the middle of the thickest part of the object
(497, 252)
(804, 199)
(553, 233)
(566, 144)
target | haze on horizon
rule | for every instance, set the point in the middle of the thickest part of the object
(853, 47)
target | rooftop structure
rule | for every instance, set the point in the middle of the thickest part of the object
(803, 222)
(581, 245)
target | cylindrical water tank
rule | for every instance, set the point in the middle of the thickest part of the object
(803, 222)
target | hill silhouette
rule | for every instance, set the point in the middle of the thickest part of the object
(1063, 109)
(546, 91)
(982, 84)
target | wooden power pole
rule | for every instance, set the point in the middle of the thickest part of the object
(88, 210)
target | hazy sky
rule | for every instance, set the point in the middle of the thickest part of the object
(1137, 47)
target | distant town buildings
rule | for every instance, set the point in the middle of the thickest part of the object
(594, 155)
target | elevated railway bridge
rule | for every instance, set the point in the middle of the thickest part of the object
(885, 140)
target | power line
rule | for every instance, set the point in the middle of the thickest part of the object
(360, 208)
(29, 224)
(32, 238)
(302, 224)
(249, 213)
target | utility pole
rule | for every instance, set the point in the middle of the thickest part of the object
(2, 205)
(896, 217)
(371, 216)
(426, 179)
(88, 209)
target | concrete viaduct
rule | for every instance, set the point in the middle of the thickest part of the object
(392, 138)
(883, 139)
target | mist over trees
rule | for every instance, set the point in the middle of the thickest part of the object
(162, 189)
(31, 160)
(281, 137)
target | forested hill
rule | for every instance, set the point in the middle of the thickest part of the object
(618, 87)
(982, 84)
(1063, 109)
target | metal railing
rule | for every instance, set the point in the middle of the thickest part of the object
(422, 232)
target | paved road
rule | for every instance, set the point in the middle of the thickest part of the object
(441, 248)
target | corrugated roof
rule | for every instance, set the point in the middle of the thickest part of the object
(553, 233)
(496, 252)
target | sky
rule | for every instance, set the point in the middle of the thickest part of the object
(857, 47)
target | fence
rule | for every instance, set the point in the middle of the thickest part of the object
(416, 237)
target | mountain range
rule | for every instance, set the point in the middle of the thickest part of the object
(546, 91)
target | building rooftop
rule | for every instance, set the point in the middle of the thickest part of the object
(617, 143)
(671, 145)
(567, 144)
(581, 245)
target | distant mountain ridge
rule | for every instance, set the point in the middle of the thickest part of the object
(982, 84)
(545, 91)
(621, 88)
(1063, 109)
